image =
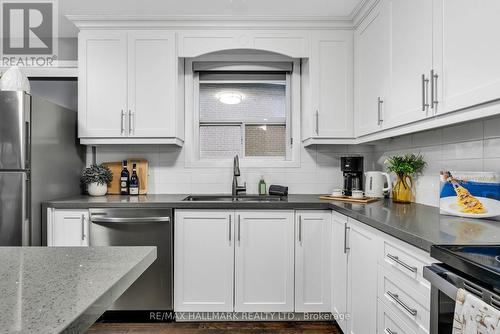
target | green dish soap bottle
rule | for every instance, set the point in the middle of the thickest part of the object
(262, 186)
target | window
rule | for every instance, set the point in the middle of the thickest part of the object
(245, 104)
(245, 113)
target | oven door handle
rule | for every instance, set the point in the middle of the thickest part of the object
(431, 273)
(128, 220)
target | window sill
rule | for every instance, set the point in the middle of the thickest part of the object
(244, 163)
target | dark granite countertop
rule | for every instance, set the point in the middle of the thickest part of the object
(417, 224)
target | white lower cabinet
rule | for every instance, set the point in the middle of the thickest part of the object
(313, 242)
(204, 260)
(264, 259)
(339, 270)
(67, 227)
(362, 278)
(233, 261)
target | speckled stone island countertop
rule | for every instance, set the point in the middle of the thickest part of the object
(416, 224)
(64, 289)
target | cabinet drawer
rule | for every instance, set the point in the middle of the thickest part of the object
(389, 322)
(407, 303)
(406, 264)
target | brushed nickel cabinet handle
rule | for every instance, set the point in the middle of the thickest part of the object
(230, 223)
(130, 123)
(239, 228)
(317, 122)
(379, 110)
(425, 91)
(83, 227)
(408, 309)
(434, 92)
(398, 261)
(122, 123)
(346, 228)
(300, 229)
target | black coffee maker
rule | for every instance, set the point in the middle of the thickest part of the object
(352, 168)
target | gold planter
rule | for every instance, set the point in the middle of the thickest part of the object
(402, 191)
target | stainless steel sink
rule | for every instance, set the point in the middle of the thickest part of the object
(229, 198)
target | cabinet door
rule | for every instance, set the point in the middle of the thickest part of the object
(467, 53)
(339, 270)
(411, 57)
(204, 261)
(152, 79)
(332, 84)
(264, 261)
(372, 70)
(102, 83)
(68, 228)
(362, 278)
(313, 261)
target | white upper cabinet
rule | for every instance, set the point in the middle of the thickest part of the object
(467, 53)
(204, 260)
(411, 61)
(372, 70)
(264, 275)
(313, 242)
(129, 89)
(328, 86)
(102, 83)
(152, 80)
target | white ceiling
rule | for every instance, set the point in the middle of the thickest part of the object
(323, 8)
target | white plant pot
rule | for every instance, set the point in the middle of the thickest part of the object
(97, 189)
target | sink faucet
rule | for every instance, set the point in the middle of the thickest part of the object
(236, 172)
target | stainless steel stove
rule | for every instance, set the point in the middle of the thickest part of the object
(473, 268)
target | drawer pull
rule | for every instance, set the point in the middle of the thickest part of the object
(388, 331)
(398, 261)
(408, 309)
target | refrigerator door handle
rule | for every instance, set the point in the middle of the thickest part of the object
(27, 148)
(26, 207)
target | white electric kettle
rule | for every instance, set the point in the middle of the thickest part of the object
(374, 184)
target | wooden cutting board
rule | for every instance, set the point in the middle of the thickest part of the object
(142, 167)
(364, 200)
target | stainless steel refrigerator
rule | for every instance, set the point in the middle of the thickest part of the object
(39, 160)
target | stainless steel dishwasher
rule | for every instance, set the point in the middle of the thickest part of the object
(153, 290)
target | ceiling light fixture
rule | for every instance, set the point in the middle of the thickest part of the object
(229, 97)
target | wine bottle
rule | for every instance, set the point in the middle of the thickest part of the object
(134, 182)
(124, 179)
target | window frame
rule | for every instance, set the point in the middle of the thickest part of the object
(292, 119)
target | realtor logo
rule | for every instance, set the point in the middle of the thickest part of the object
(28, 31)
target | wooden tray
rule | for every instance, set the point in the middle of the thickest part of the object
(116, 169)
(364, 200)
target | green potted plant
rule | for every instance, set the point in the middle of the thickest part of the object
(405, 167)
(96, 178)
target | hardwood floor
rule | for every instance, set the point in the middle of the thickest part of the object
(216, 328)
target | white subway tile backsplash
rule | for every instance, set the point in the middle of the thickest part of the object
(463, 150)
(473, 146)
(463, 132)
(427, 138)
(491, 165)
(492, 128)
(492, 148)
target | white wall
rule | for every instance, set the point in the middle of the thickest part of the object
(319, 171)
(473, 146)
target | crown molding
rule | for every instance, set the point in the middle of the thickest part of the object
(106, 21)
(364, 8)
